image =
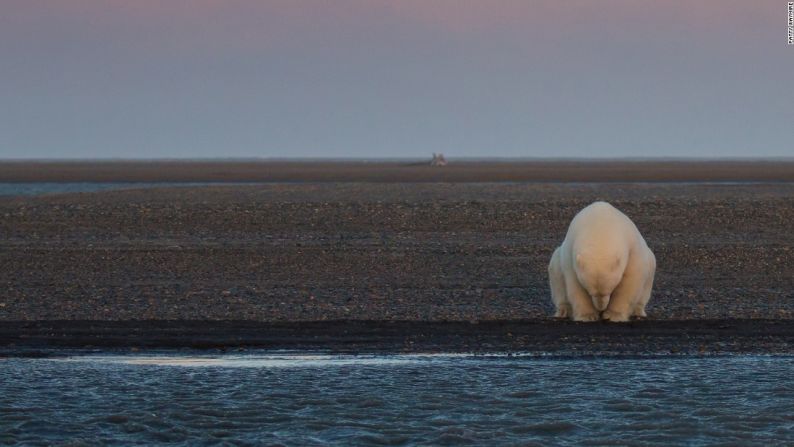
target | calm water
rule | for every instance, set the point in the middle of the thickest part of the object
(402, 400)
(37, 188)
(29, 189)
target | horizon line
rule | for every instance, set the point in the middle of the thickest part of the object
(463, 159)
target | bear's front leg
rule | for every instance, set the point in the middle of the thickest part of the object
(621, 304)
(615, 316)
(581, 303)
(625, 296)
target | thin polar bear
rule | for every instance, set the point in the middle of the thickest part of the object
(603, 269)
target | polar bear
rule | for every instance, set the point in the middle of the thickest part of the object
(603, 269)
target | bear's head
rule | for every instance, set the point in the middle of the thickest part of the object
(600, 276)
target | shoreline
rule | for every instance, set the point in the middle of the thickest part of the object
(540, 336)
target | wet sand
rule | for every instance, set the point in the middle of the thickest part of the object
(546, 337)
(443, 256)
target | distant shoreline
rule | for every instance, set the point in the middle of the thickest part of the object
(465, 171)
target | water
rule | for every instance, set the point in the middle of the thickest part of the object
(398, 400)
(38, 188)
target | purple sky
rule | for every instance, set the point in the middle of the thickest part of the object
(398, 78)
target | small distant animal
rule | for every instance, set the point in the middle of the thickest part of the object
(438, 160)
(603, 269)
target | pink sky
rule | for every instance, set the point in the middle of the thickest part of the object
(300, 76)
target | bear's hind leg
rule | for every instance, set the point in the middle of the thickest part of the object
(557, 285)
(642, 301)
(645, 295)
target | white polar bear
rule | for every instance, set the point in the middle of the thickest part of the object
(603, 269)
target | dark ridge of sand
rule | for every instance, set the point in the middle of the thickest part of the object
(393, 171)
(558, 338)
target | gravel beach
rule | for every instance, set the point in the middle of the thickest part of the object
(375, 252)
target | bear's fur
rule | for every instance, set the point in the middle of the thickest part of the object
(603, 269)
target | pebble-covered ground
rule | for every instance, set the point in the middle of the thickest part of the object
(387, 251)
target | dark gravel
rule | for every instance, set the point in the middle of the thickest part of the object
(360, 251)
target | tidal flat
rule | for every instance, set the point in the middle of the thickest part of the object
(342, 256)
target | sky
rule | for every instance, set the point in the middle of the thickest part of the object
(395, 78)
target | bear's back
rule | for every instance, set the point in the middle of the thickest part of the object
(600, 227)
